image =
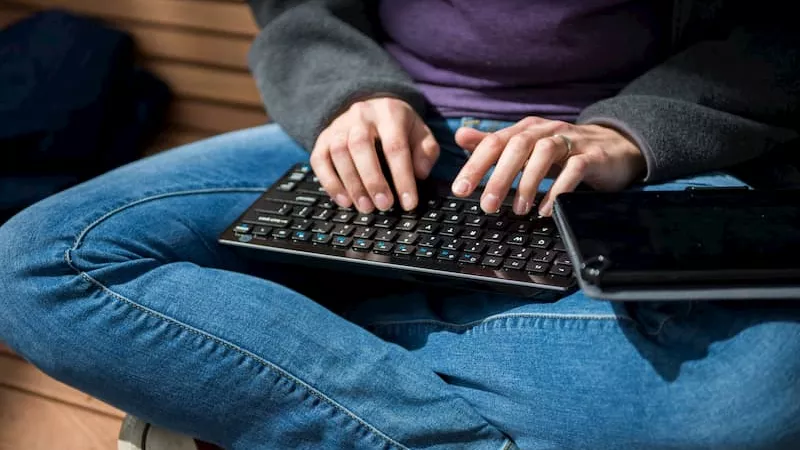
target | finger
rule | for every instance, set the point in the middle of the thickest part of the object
(424, 149)
(343, 162)
(545, 153)
(574, 172)
(395, 146)
(483, 158)
(322, 164)
(469, 138)
(365, 157)
(512, 159)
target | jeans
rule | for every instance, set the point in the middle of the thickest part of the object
(118, 288)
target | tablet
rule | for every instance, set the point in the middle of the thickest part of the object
(714, 244)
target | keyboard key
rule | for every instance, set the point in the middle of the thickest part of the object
(364, 219)
(407, 225)
(301, 224)
(261, 231)
(497, 250)
(425, 252)
(455, 219)
(494, 236)
(385, 222)
(471, 233)
(545, 256)
(563, 260)
(280, 222)
(243, 228)
(301, 211)
(537, 267)
(559, 245)
(321, 238)
(520, 253)
(386, 235)
(433, 216)
(430, 241)
(475, 247)
(322, 214)
(287, 186)
(561, 270)
(407, 238)
(327, 204)
(498, 224)
(521, 227)
(297, 176)
(301, 236)
(304, 168)
(452, 205)
(306, 200)
(279, 209)
(473, 208)
(342, 241)
(382, 247)
(404, 249)
(282, 233)
(543, 230)
(540, 242)
(450, 230)
(474, 221)
(515, 264)
(492, 261)
(321, 227)
(362, 244)
(343, 216)
(517, 239)
(468, 258)
(428, 227)
(452, 243)
(364, 232)
(447, 255)
(344, 230)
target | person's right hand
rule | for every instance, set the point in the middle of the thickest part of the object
(345, 160)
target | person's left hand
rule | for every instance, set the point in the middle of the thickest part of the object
(601, 157)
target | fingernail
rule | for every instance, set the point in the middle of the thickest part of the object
(407, 201)
(490, 203)
(364, 204)
(461, 187)
(521, 206)
(382, 201)
(342, 200)
(544, 210)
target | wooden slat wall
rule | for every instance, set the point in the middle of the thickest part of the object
(199, 47)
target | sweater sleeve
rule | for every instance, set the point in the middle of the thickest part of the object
(313, 58)
(715, 104)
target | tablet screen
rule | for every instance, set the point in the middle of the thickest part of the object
(745, 232)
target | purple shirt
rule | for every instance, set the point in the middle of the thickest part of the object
(506, 59)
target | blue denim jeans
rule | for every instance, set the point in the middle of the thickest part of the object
(118, 287)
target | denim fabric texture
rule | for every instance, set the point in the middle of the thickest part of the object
(118, 287)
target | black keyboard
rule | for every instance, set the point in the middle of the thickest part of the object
(447, 240)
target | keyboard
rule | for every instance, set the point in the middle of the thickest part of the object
(446, 241)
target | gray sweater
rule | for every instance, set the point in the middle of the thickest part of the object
(729, 93)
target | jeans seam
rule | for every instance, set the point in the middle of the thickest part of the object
(494, 318)
(269, 365)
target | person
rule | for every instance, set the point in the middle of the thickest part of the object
(118, 287)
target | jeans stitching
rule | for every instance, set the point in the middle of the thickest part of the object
(170, 320)
(498, 317)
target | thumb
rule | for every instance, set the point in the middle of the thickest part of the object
(469, 138)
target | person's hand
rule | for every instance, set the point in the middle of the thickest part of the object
(345, 160)
(601, 157)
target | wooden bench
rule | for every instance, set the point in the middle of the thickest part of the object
(198, 47)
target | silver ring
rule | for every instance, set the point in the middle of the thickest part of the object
(567, 141)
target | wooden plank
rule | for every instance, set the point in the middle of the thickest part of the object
(33, 423)
(212, 117)
(20, 375)
(205, 83)
(223, 17)
(191, 46)
(171, 43)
